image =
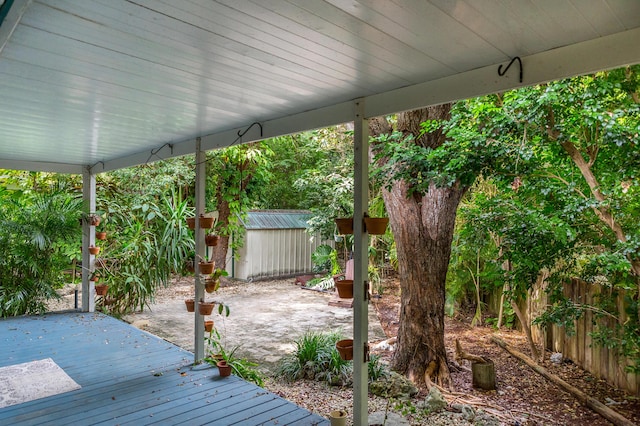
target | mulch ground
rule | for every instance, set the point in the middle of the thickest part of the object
(521, 393)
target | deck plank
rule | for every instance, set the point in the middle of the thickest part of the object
(129, 376)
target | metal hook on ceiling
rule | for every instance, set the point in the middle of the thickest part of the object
(501, 72)
(241, 134)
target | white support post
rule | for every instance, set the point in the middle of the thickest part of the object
(201, 179)
(88, 239)
(360, 273)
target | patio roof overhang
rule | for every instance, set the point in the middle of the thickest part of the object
(111, 84)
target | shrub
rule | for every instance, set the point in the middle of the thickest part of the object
(316, 358)
(36, 230)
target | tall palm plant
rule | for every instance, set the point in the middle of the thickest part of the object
(34, 230)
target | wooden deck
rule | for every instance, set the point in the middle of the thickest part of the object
(130, 377)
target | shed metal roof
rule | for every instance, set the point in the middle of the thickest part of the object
(277, 219)
(112, 83)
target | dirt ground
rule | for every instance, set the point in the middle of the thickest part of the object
(267, 316)
(521, 392)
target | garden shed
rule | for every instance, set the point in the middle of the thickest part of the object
(276, 244)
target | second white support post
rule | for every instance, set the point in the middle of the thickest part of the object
(88, 239)
(360, 273)
(201, 179)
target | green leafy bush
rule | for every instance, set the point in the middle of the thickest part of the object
(316, 358)
(36, 230)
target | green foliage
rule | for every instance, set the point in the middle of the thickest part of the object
(36, 231)
(152, 243)
(315, 358)
(325, 259)
(377, 370)
(241, 367)
(565, 190)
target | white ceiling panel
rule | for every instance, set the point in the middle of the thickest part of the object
(102, 83)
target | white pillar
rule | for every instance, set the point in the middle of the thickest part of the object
(201, 179)
(360, 273)
(88, 239)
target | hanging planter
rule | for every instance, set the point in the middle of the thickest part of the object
(94, 250)
(223, 368)
(206, 222)
(101, 289)
(345, 348)
(211, 240)
(206, 267)
(376, 225)
(102, 235)
(94, 220)
(190, 304)
(205, 308)
(208, 326)
(191, 222)
(345, 225)
(345, 289)
(211, 285)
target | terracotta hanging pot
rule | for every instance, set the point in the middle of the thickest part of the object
(211, 240)
(94, 250)
(206, 222)
(190, 304)
(208, 326)
(223, 368)
(189, 266)
(345, 289)
(102, 235)
(345, 348)
(101, 289)
(205, 308)
(206, 267)
(191, 222)
(376, 225)
(94, 220)
(345, 225)
(211, 285)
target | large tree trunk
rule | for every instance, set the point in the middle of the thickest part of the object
(422, 226)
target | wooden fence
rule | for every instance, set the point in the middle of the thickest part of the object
(603, 363)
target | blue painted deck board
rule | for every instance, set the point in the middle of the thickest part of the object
(129, 376)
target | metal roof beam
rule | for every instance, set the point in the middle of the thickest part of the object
(10, 19)
(41, 166)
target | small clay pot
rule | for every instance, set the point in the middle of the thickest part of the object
(102, 235)
(211, 285)
(345, 289)
(206, 222)
(101, 290)
(205, 308)
(223, 368)
(211, 240)
(208, 326)
(206, 268)
(191, 305)
(376, 225)
(345, 225)
(345, 348)
(94, 250)
(94, 220)
(191, 222)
